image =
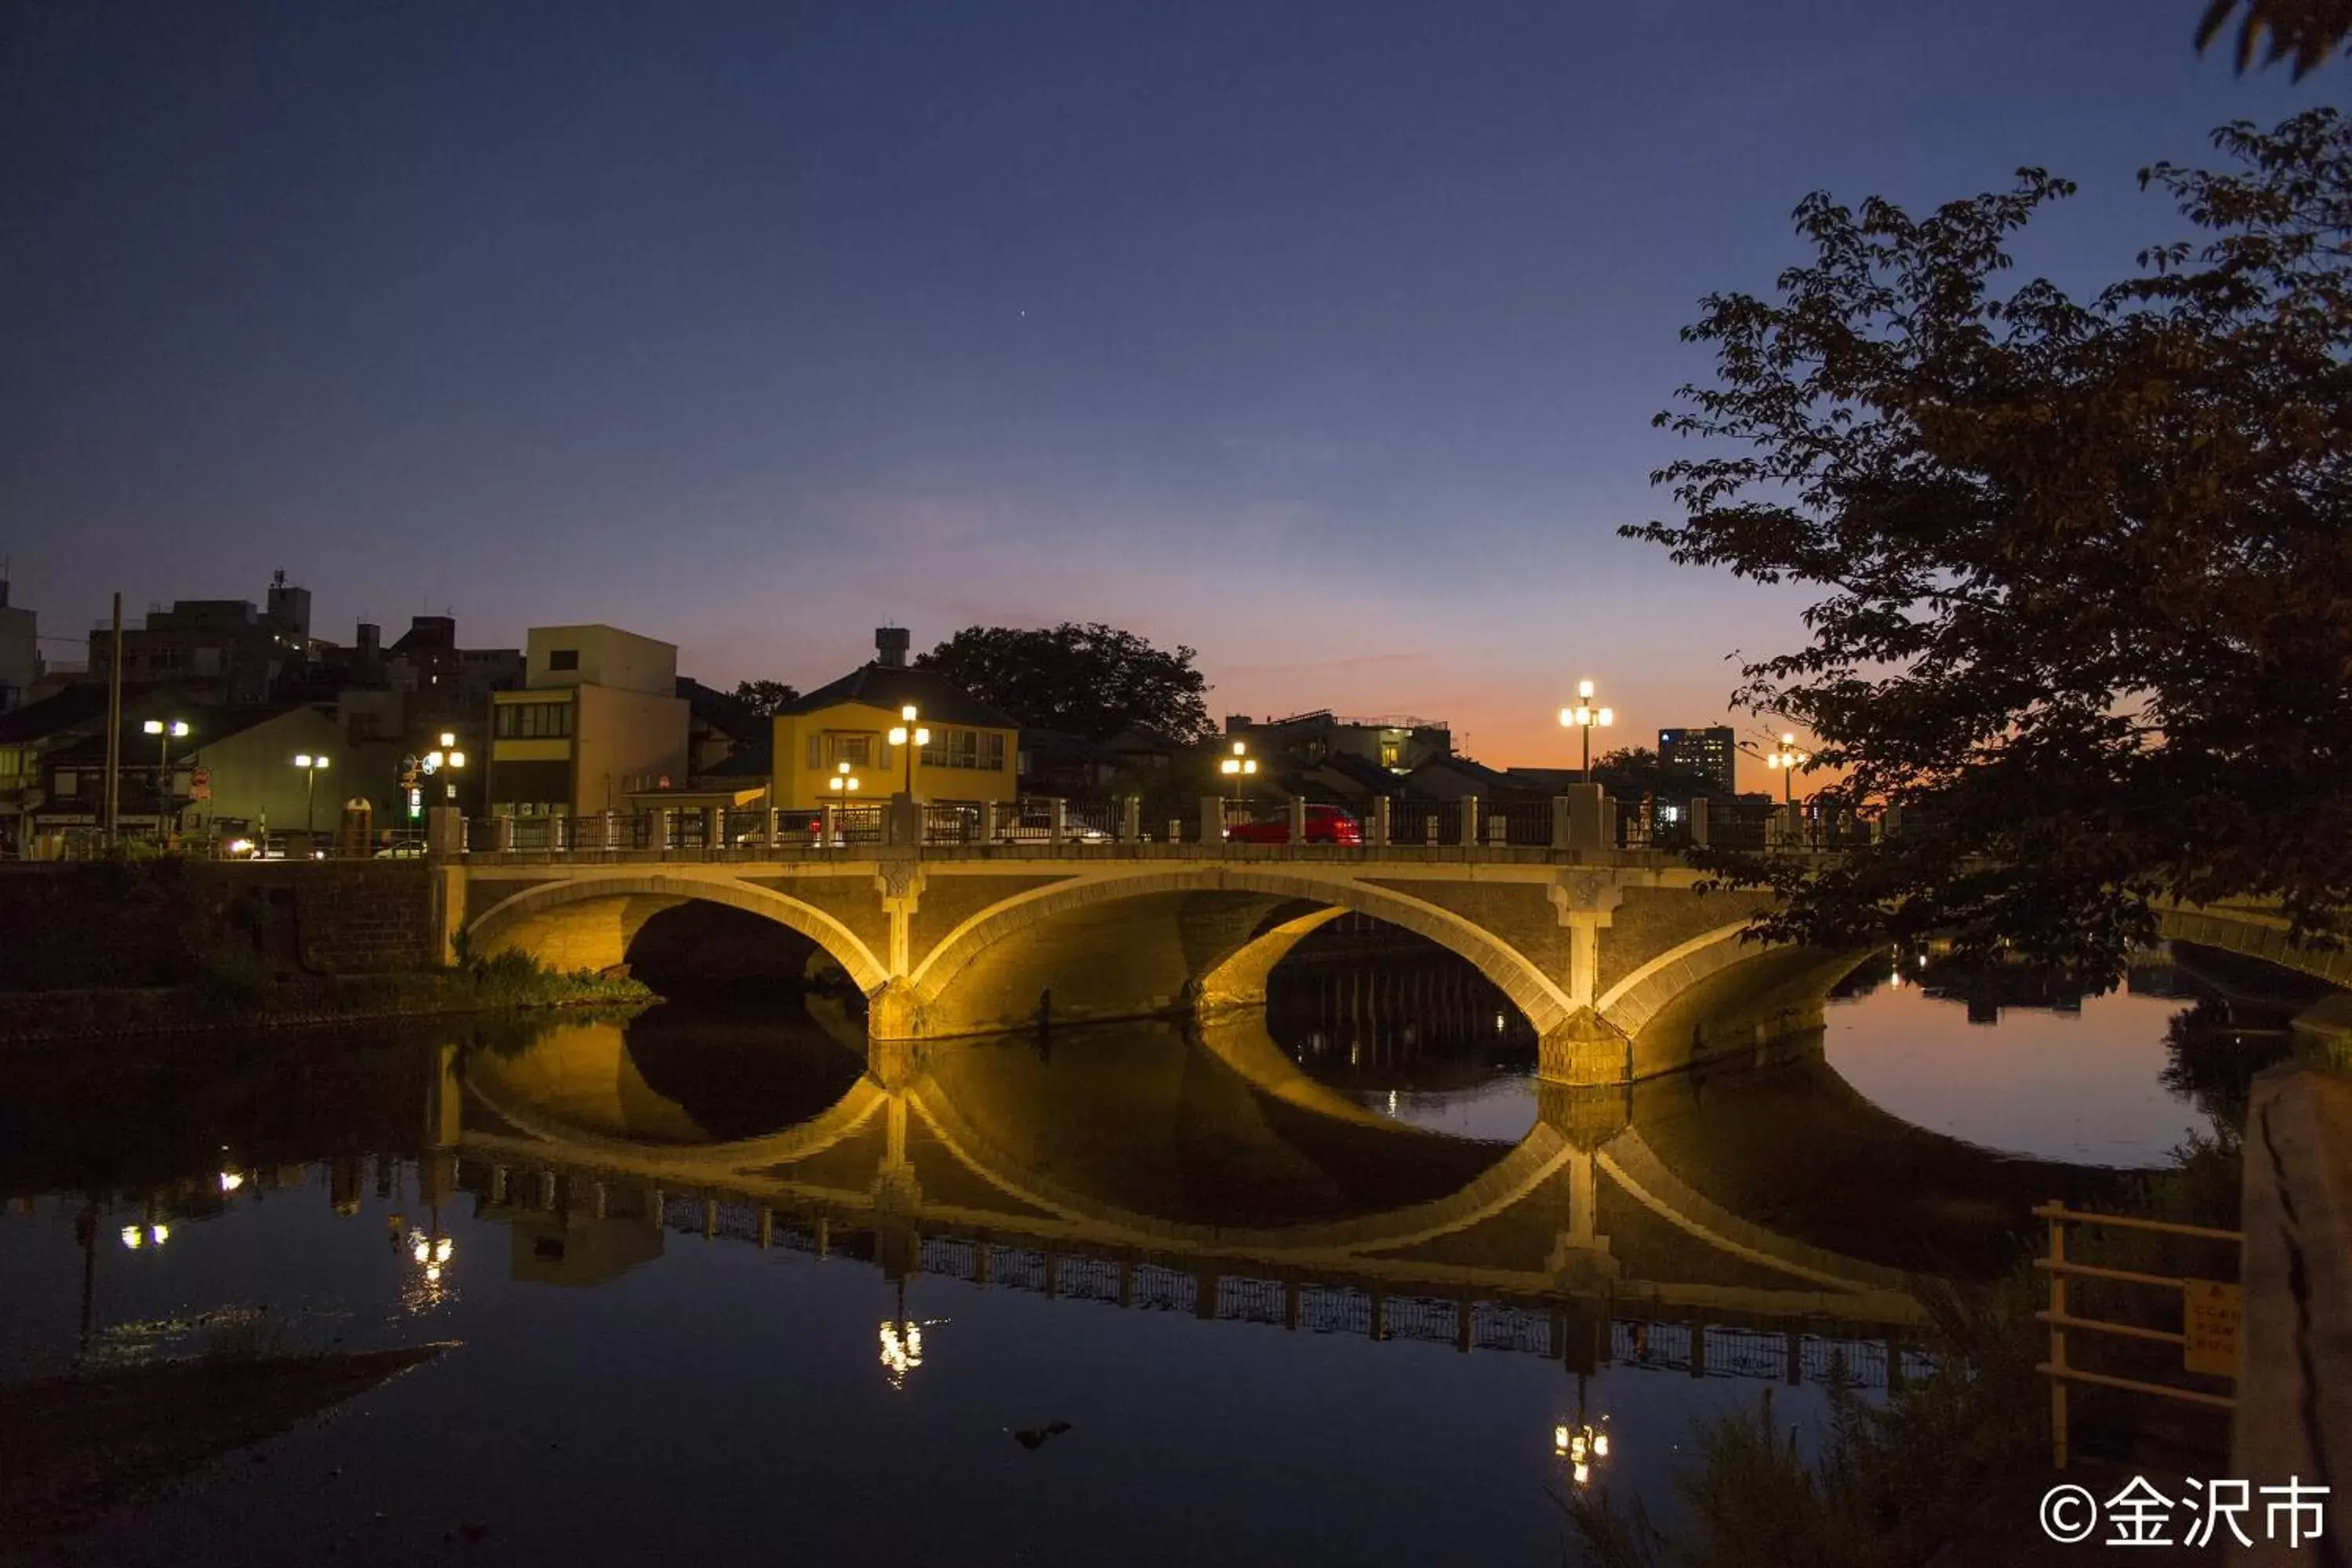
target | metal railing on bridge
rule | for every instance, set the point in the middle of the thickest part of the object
(1394, 824)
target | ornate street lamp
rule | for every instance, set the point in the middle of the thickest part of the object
(1585, 717)
(913, 738)
(1240, 763)
(1785, 759)
(844, 781)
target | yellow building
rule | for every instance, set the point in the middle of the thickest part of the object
(971, 756)
(598, 718)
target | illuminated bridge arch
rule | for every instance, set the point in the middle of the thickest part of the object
(1241, 964)
(587, 922)
(2257, 933)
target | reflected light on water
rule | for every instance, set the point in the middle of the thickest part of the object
(431, 1255)
(902, 1349)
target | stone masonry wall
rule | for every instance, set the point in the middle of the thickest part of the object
(65, 927)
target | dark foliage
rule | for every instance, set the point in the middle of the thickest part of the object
(2304, 31)
(2089, 607)
(1092, 681)
(761, 699)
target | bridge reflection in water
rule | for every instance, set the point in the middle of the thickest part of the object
(1765, 1225)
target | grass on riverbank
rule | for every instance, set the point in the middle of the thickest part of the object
(1885, 1485)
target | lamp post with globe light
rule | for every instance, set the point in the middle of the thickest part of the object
(1585, 717)
(1784, 758)
(913, 738)
(1238, 766)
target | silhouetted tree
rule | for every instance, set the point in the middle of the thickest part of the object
(2089, 565)
(761, 699)
(1632, 772)
(2304, 31)
(1092, 681)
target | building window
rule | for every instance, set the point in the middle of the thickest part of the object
(980, 750)
(533, 721)
(563, 659)
(66, 783)
(855, 747)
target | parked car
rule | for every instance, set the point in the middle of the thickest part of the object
(1325, 825)
(1038, 829)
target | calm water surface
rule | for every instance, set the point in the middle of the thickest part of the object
(717, 1296)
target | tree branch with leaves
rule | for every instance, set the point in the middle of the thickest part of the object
(2088, 564)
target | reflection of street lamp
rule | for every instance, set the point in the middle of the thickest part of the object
(902, 1343)
(310, 767)
(1581, 1443)
(1584, 716)
(430, 1253)
(165, 732)
(901, 734)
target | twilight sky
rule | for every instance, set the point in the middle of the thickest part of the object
(1322, 337)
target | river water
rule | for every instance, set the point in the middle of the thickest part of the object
(1334, 1284)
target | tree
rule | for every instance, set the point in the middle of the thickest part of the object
(762, 699)
(2088, 566)
(1092, 681)
(2306, 31)
(1632, 771)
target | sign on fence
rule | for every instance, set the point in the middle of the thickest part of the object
(2210, 1324)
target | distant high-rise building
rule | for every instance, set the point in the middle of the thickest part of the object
(1709, 752)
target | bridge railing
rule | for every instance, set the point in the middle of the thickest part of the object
(1532, 825)
(1424, 822)
(1526, 822)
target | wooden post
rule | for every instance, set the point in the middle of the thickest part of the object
(2057, 1340)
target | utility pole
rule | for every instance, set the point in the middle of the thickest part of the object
(114, 728)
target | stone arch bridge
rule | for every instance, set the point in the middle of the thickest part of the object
(1623, 967)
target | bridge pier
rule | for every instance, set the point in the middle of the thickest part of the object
(1583, 1051)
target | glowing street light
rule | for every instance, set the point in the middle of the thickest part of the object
(902, 734)
(843, 780)
(1786, 760)
(1240, 763)
(1586, 717)
(165, 732)
(310, 767)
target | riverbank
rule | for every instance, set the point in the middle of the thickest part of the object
(232, 996)
(73, 1449)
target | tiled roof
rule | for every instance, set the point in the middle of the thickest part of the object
(890, 687)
